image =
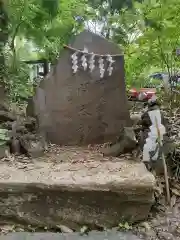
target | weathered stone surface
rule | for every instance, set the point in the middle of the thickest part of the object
(126, 143)
(18, 127)
(82, 108)
(15, 146)
(7, 125)
(32, 145)
(30, 124)
(90, 193)
(72, 236)
(6, 116)
(30, 110)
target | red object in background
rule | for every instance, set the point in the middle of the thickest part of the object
(143, 94)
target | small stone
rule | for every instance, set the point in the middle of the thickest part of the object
(146, 226)
(64, 229)
(6, 116)
(135, 118)
(32, 147)
(166, 236)
(126, 143)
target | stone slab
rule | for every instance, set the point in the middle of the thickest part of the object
(88, 192)
(74, 236)
(116, 176)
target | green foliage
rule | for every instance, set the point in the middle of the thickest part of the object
(153, 49)
(20, 88)
(3, 37)
(148, 32)
(4, 136)
(51, 6)
(36, 29)
(40, 24)
(125, 226)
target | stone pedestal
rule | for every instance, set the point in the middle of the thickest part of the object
(92, 193)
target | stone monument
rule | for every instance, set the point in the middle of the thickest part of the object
(83, 99)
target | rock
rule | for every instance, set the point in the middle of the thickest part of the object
(7, 125)
(6, 116)
(80, 109)
(15, 146)
(165, 236)
(146, 226)
(136, 119)
(147, 235)
(35, 150)
(18, 127)
(32, 145)
(126, 143)
(3, 151)
(30, 137)
(150, 235)
(30, 124)
(22, 129)
(95, 194)
(64, 229)
(30, 110)
(70, 236)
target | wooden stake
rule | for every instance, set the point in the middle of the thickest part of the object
(166, 179)
(164, 166)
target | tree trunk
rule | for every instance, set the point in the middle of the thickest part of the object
(3, 41)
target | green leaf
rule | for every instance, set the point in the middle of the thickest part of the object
(127, 226)
(3, 131)
(2, 143)
(4, 135)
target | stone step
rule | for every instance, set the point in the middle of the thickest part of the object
(96, 194)
(73, 236)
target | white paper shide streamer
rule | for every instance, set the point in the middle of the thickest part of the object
(74, 62)
(88, 61)
(101, 67)
(84, 60)
(110, 68)
(92, 62)
(151, 144)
